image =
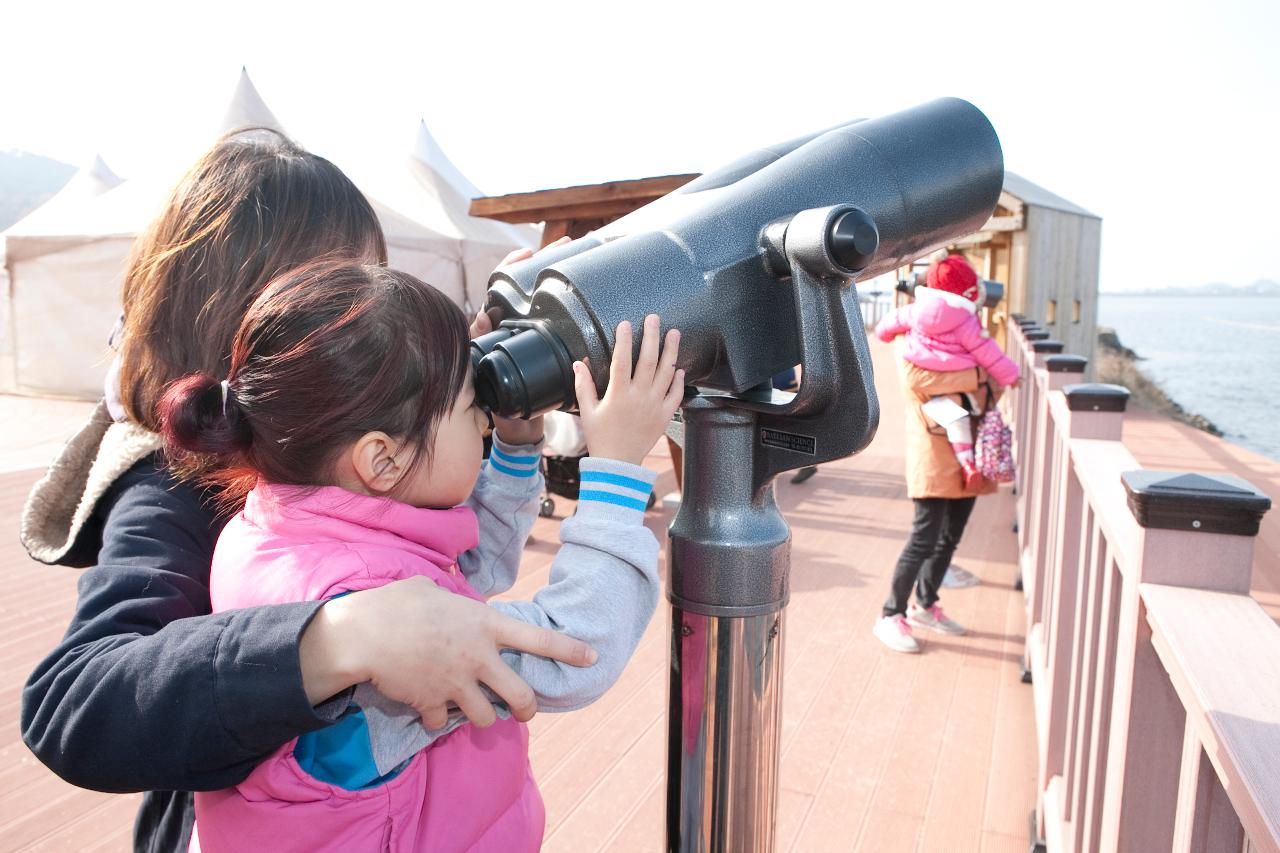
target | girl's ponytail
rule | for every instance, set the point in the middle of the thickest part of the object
(199, 414)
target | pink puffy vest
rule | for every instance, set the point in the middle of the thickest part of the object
(473, 790)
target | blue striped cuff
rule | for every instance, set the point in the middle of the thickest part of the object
(618, 484)
(513, 464)
(616, 480)
(613, 498)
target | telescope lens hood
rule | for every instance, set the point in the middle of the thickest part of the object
(523, 370)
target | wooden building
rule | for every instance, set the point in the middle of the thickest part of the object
(1045, 250)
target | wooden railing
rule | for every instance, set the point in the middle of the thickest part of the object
(1156, 676)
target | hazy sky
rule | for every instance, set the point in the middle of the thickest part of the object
(1163, 118)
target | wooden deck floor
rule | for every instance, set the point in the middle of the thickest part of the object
(880, 752)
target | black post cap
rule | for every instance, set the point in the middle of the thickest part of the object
(1016, 317)
(1046, 345)
(1025, 321)
(1207, 503)
(1096, 397)
(1065, 363)
(1036, 335)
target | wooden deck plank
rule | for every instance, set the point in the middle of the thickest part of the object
(614, 795)
(643, 831)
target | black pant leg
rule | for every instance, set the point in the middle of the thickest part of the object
(935, 566)
(926, 528)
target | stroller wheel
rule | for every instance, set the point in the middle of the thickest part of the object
(547, 508)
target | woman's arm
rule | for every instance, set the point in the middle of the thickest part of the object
(148, 691)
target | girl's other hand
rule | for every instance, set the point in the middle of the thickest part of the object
(638, 403)
(427, 647)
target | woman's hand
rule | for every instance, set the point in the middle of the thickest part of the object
(511, 430)
(426, 647)
(515, 256)
(638, 404)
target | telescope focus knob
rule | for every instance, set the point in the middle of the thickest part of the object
(854, 240)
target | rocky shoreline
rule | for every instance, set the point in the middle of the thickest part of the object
(1118, 365)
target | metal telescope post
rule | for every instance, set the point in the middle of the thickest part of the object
(730, 548)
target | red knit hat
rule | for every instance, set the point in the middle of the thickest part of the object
(954, 275)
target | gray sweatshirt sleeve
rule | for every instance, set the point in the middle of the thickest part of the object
(603, 586)
(505, 501)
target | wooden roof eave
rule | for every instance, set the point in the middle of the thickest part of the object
(597, 201)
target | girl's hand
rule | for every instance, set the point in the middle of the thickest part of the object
(638, 404)
(511, 430)
(426, 647)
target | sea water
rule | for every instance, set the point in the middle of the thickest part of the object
(1215, 356)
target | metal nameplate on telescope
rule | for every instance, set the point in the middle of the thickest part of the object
(789, 441)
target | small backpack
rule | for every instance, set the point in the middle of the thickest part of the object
(993, 450)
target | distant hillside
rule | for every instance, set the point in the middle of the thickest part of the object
(26, 181)
(1261, 287)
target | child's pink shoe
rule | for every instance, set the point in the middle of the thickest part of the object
(973, 479)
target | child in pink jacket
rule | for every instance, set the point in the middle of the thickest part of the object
(943, 336)
(350, 412)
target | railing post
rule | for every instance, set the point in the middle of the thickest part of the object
(1034, 465)
(1197, 531)
(1055, 639)
(1027, 392)
(1060, 549)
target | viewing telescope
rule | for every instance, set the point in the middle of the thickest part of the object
(754, 264)
(710, 257)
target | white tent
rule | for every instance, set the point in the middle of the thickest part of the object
(63, 265)
(61, 276)
(432, 191)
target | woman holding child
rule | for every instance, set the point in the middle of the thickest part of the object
(945, 356)
(151, 689)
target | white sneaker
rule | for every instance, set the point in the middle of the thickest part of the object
(671, 500)
(934, 619)
(895, 633)
(958, 578)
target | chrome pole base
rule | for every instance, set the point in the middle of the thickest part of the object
(724, 721)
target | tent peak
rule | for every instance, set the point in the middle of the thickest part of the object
(100, 171)
(248, 109)
(426, 150)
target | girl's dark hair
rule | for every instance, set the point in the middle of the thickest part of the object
(328, 352)
(254, 206)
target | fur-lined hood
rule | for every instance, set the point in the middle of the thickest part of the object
(64, 499)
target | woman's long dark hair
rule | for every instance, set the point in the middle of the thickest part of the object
(251, 208)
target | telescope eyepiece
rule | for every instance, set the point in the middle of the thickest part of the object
(522, 370)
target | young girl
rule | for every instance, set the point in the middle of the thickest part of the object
(350, 412)
(944, 344)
